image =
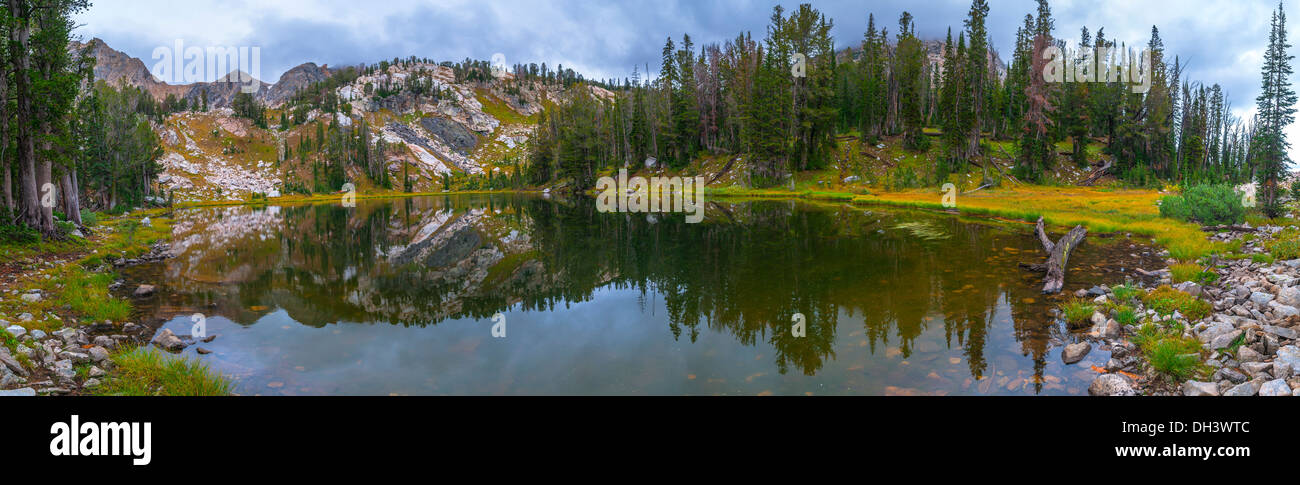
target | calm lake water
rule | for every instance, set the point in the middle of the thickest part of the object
(399, 297)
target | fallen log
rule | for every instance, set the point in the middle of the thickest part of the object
(977, 189)
(1092, 179)
(1004, 174)
(1231, 228)
(1058, 256)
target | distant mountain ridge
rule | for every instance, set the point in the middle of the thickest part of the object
(116, 67)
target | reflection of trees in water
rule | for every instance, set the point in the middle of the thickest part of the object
(745, 273)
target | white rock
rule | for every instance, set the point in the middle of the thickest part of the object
(1289, 296)
(1283, 311)
(1260, 298)
(1290, 355)
(1196, 388)
(1248, 388)
(1275, 387)
(1111, 385)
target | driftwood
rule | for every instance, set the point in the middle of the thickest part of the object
(1092, 179)
(1233, 228)
(1058, 256)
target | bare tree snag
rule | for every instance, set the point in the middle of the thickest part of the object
(1058, 256)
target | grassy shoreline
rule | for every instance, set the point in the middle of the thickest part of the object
(1100, 210)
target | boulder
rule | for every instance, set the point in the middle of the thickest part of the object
(1283, 311)
(1247, 354)
(1111, 385)
(16, 331)
(1189, 288)
(98, 354)
(1248, 388)
(1275, 387)
(144, 290)
(1289, 296)
(168, 341)
(1075, 352)
(1197, 388)
(1224, 340)
(1289, 354)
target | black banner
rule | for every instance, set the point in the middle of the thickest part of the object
(355, 432)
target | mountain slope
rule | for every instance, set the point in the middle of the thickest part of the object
(451, 128)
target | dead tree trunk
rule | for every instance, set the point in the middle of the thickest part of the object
(1058, 257)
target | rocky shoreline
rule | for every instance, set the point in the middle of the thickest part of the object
(1249, 343)
(55, 357)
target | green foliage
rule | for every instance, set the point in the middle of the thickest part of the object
(1166, 300)
(1207, 204)
(1126, 292)
(901, 178)
(1286, 245)
(18, 235)
(1126, 315)
(1077, 311)
(1171, 355)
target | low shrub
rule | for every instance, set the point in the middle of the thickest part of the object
(1209, 205)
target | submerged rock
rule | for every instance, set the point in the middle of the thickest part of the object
(144, 290)
(1075, 352)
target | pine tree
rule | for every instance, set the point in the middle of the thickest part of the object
(1275, 108)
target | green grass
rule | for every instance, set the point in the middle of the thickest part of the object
(1184, 272)
(142, 371)
(1165, 300)
(86, 294)
(1077, 311)
(1170, 354)
(1126, 315)
(1192, 272)
(1286, 245)
(1126, 292)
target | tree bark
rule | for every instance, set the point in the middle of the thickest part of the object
(1058, 256)
(45, 181)
(72, 206)
(19, 37)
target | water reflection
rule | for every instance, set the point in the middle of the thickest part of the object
(398, 296)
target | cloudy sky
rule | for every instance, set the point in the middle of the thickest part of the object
(1221, 40)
